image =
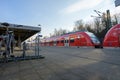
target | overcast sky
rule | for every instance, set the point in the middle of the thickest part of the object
(52, 13)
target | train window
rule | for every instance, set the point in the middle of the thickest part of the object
(95, 40)
(62, 41)
(93, 37)
(90, 34)
(51, 41)
(71, 40)
(57, 41)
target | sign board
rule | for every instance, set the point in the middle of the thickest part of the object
(40, 35)
(117, 3)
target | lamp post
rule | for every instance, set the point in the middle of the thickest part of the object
(37, 41)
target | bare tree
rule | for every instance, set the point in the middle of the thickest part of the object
(97, 25)
(88, 27)
(55, 32)
(74, 29)
(79, 26)
(114, 20)
(58, 32)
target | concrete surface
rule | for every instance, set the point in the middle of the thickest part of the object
(66, 64)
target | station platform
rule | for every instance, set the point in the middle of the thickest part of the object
(66, 64)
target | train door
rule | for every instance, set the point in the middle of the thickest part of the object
(54, 43)
(66, 42)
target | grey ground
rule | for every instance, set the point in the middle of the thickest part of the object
(66, 64)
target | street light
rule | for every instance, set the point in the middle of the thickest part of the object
(96, 16)
(37, 41)
(98, 12)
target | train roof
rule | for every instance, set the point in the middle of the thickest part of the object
(116, 28)
(74, 32)
(65, 35)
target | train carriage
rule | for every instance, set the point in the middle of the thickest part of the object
(93, 40)
(112, 38)
(84, 39)
(60, 41)
(79, 38)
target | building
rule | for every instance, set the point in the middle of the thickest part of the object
(21, 32)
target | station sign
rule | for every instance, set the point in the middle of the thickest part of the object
(117, 3)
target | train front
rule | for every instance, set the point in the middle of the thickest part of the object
(94, 40)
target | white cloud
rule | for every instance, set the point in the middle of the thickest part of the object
(110, 5)
(80, 5)
(117, 9)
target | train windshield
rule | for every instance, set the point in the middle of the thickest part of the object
(93, 37)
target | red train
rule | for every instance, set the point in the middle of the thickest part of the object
(80, 38)
(112, 38)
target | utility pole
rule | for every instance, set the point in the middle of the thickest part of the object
(109, 25)
(37, 43)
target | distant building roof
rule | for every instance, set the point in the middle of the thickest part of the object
(16, 26)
